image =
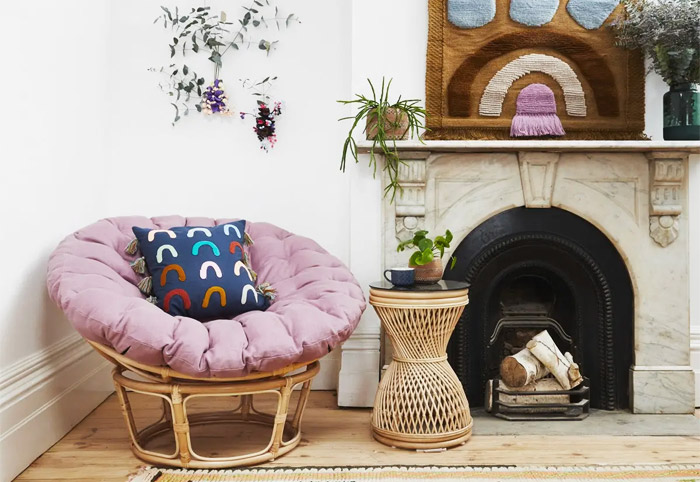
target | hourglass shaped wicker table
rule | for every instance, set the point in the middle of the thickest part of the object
(420, 403)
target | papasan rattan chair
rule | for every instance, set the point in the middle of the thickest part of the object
(179, 359)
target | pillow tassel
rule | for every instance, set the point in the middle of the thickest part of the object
(267, 291)
(133, 247)
(247, 240)
(139, 266)
(246, 261)
(146, 285)
(152, 299)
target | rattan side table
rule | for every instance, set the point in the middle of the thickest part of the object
(420, 403)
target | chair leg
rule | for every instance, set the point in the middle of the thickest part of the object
(281, 417)
(126, 411)
(167, 413)
(180, 426)
(246, 406)
(301, 404)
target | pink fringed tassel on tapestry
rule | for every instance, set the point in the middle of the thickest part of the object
(536, 113)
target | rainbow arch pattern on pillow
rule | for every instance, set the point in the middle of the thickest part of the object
(200, 272)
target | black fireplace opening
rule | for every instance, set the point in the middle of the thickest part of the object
(535, 269)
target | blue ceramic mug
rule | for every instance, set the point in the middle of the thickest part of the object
(400, 276)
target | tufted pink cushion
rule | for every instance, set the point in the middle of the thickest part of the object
(318, 304)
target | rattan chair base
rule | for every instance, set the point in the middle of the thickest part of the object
(176, 392)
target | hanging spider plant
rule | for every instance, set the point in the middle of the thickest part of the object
(385, 123)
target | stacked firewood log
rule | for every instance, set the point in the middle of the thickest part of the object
(529, 371)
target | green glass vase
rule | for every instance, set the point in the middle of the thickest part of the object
(682, 113)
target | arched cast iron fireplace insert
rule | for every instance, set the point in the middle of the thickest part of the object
(531, 269)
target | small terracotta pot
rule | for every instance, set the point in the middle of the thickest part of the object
(395, 125)
(428, 274)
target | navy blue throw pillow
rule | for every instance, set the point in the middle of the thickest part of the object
(200, 272)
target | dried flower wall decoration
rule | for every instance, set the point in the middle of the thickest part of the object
(201, 32)
(267, 112)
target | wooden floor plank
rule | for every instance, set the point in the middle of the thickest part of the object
(98, 449)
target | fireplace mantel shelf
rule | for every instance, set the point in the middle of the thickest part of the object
(546, 146)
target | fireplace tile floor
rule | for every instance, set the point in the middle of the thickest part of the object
(600, 422)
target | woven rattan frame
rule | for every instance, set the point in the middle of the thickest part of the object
(175, 389)
(420, 403)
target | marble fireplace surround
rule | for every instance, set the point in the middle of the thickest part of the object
(636, 193)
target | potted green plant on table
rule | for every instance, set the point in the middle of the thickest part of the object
(427, 259)
(385, 122)
(668, 31)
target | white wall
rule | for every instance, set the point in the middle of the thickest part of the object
(53, 151)
(52, 145)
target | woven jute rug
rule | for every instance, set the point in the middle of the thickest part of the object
(686, 473)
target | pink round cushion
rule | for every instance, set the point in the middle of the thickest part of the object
(318, 302)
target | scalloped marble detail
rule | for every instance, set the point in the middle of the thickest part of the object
(591, 14)
(470, 13)
(533, 13)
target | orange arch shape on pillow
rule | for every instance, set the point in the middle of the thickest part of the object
(211, 291)
(176, 292)
(172, 267)
(235, 244)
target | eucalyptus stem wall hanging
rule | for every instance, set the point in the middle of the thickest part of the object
(201, 32)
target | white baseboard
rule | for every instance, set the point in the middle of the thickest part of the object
(695, 359)
(359, 372)
(43, 396)
(327, 378)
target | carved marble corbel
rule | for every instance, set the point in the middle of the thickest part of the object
(537, 174)
(667, 175)
(410, 204)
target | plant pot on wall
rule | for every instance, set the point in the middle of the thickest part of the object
(396, 124)
(429, 273)
(384, 122)
(682, 113)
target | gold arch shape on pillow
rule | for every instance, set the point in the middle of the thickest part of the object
(495, 92)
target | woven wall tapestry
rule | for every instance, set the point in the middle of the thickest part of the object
(482, 53)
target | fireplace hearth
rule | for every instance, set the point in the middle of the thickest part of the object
(535, 269)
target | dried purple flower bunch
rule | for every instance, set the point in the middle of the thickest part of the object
(214, 100)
